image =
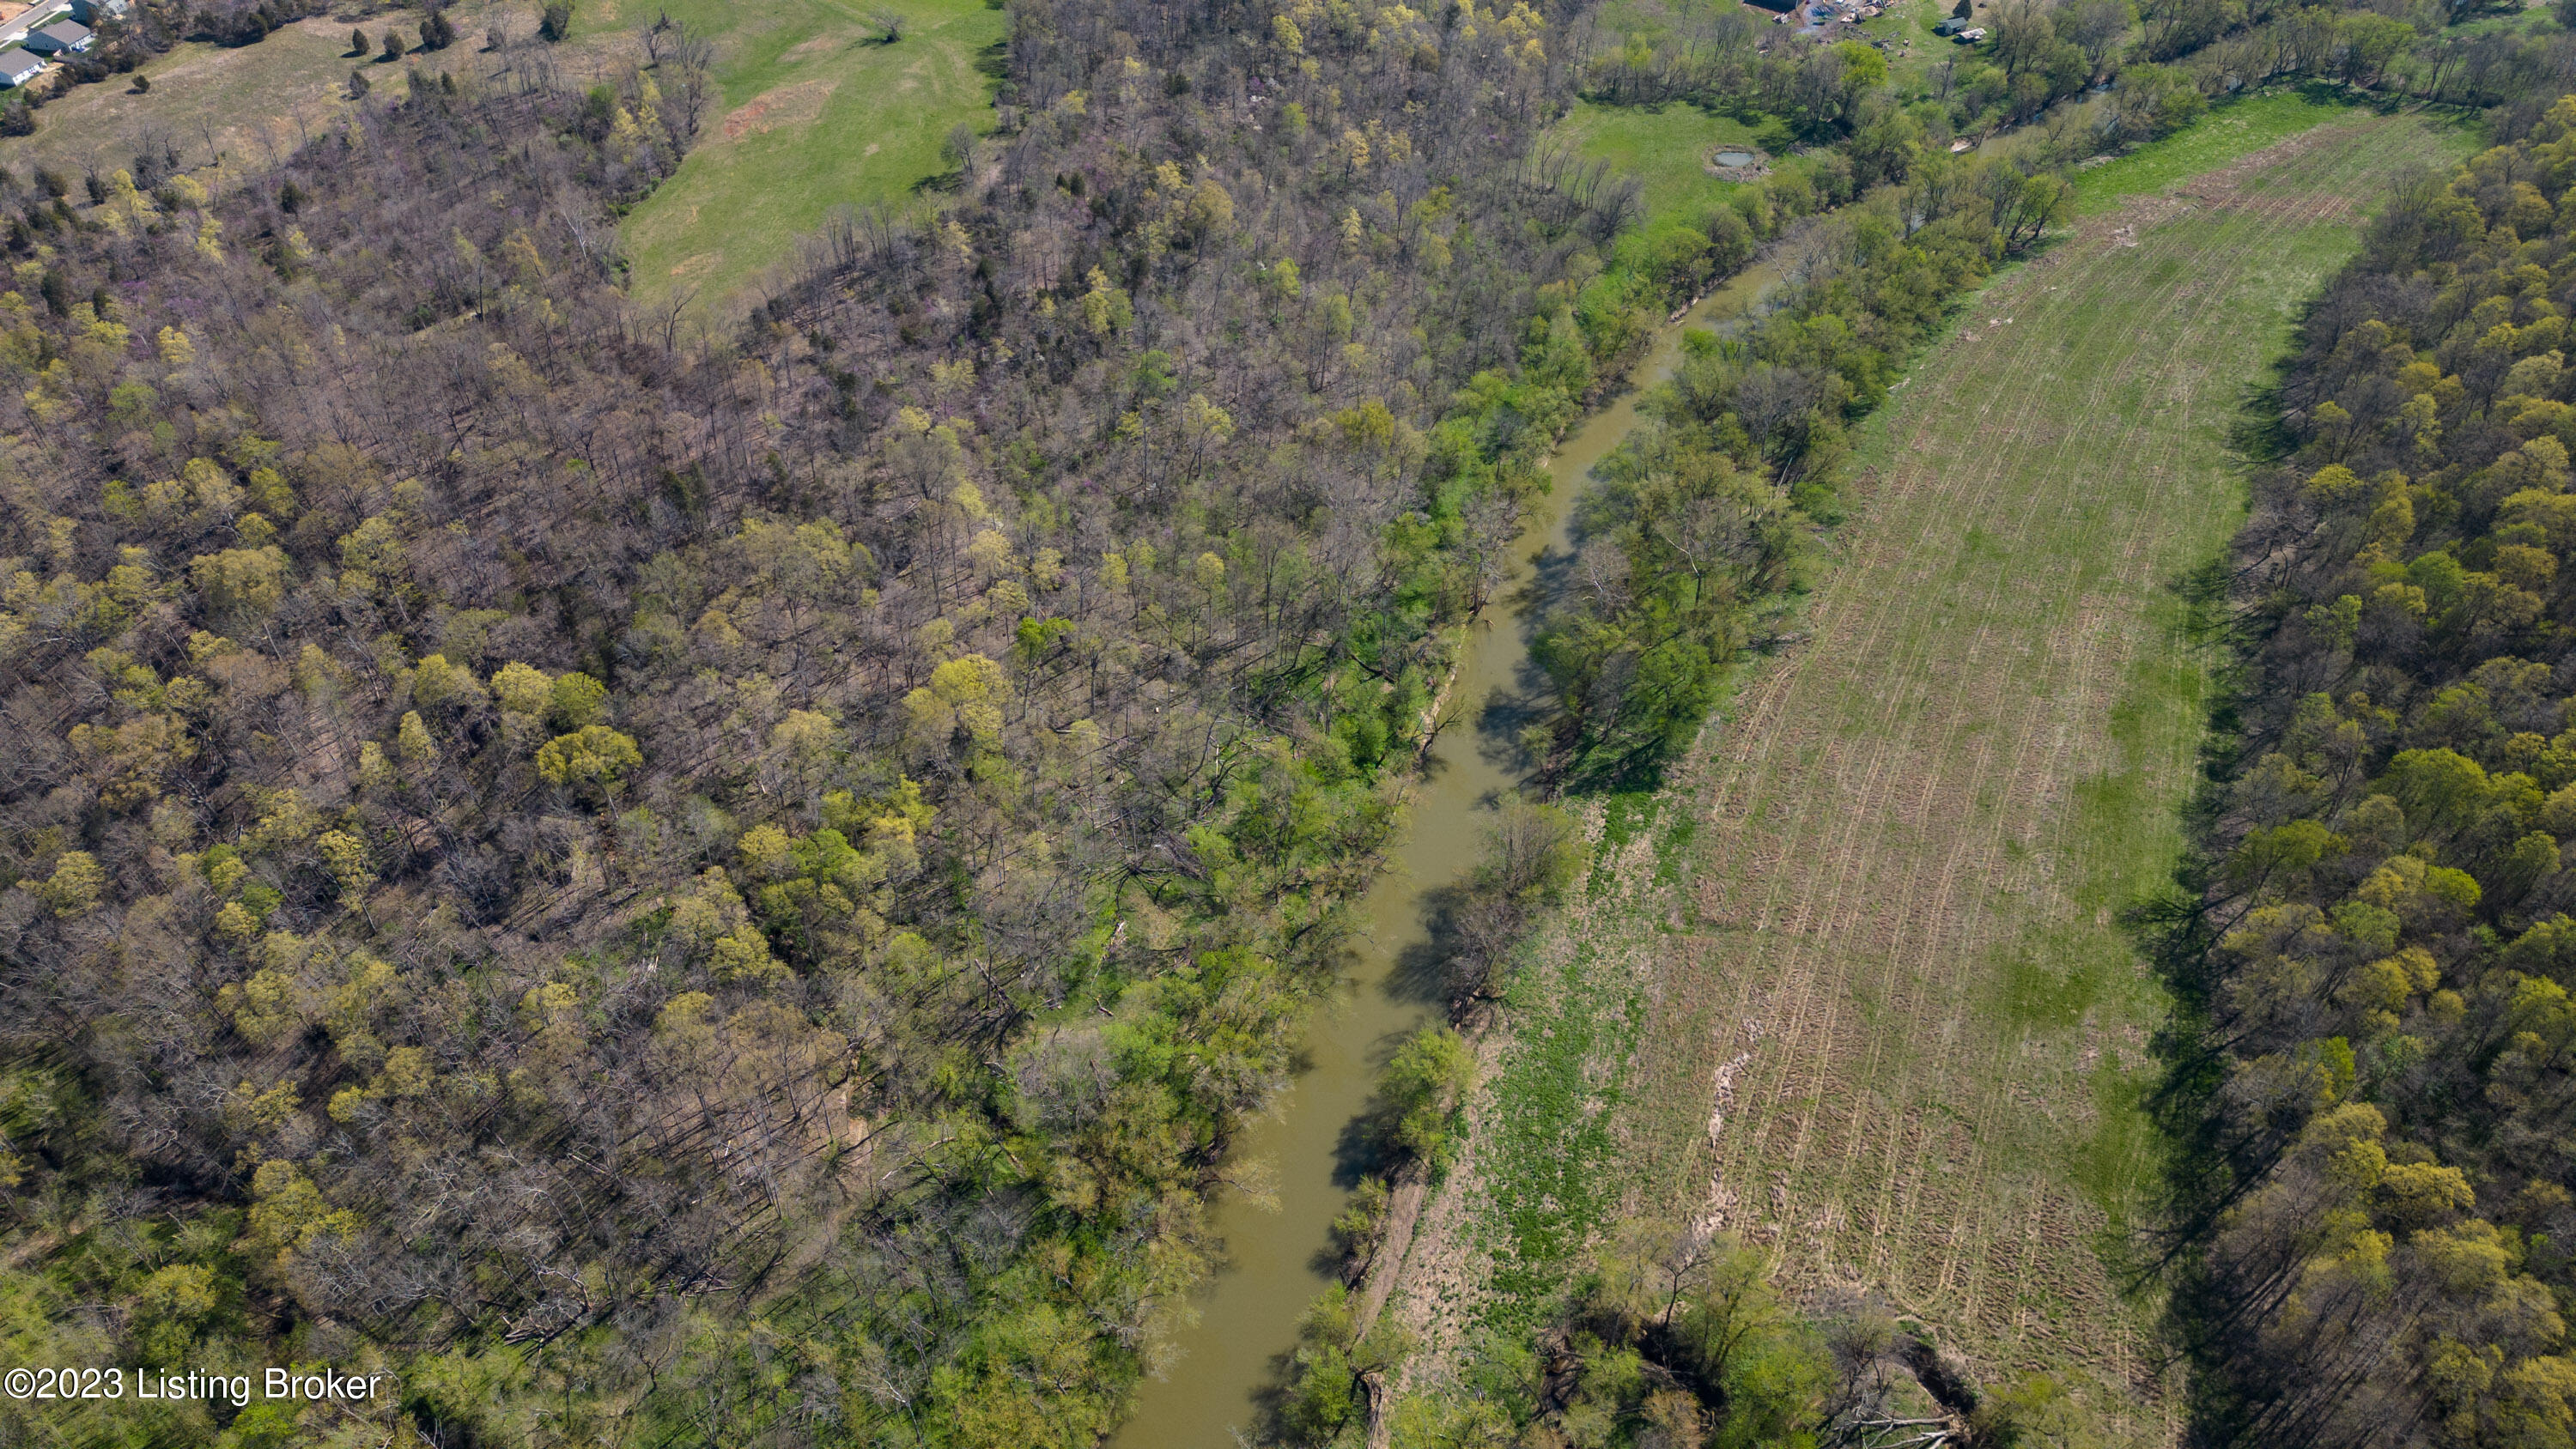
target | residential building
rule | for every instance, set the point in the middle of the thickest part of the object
(63, 37)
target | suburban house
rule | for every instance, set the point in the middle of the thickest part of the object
(63, 37)
(87, 12)
(17, 67)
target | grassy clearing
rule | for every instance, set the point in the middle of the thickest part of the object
(1913, 51)
(2229, 133)
(1667, 147)
(1860, 995)
(2528, 16)
(816, 114)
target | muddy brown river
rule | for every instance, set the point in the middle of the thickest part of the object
(1248, 1310)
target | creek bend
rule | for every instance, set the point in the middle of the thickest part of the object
(1248, 1309)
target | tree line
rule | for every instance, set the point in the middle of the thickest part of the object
(2368, 1076)
(2112, 72)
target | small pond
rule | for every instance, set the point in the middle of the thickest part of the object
(1736, 158)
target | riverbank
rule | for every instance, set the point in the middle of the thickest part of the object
(1276, 1252)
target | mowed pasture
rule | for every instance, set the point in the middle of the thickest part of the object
(817, 113)
(1901, 1040)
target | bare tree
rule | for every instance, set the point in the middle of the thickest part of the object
(689, 66)
(649, 34)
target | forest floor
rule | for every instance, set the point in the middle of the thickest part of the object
(1851, 986)
(816, 114)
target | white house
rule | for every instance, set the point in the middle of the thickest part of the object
(64, 37)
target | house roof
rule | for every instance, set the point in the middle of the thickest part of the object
(68, 32)
(18, 63)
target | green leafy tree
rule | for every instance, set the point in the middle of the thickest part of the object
(1420, 1091)
(593, 756)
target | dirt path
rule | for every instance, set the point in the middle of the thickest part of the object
(1889, 1029)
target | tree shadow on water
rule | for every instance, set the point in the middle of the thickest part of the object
(1365, 1147)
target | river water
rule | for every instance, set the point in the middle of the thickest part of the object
(1249, 1308)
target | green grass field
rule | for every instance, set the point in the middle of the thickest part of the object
(1851, 986)
(816, 114)
(2228, 133)
(1912, 49)
(1667, 148)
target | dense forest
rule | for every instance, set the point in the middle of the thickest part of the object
(2371, 1074)
(734, 895)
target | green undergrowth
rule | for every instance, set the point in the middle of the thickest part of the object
(1549, 1132)
(1547, 1170)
